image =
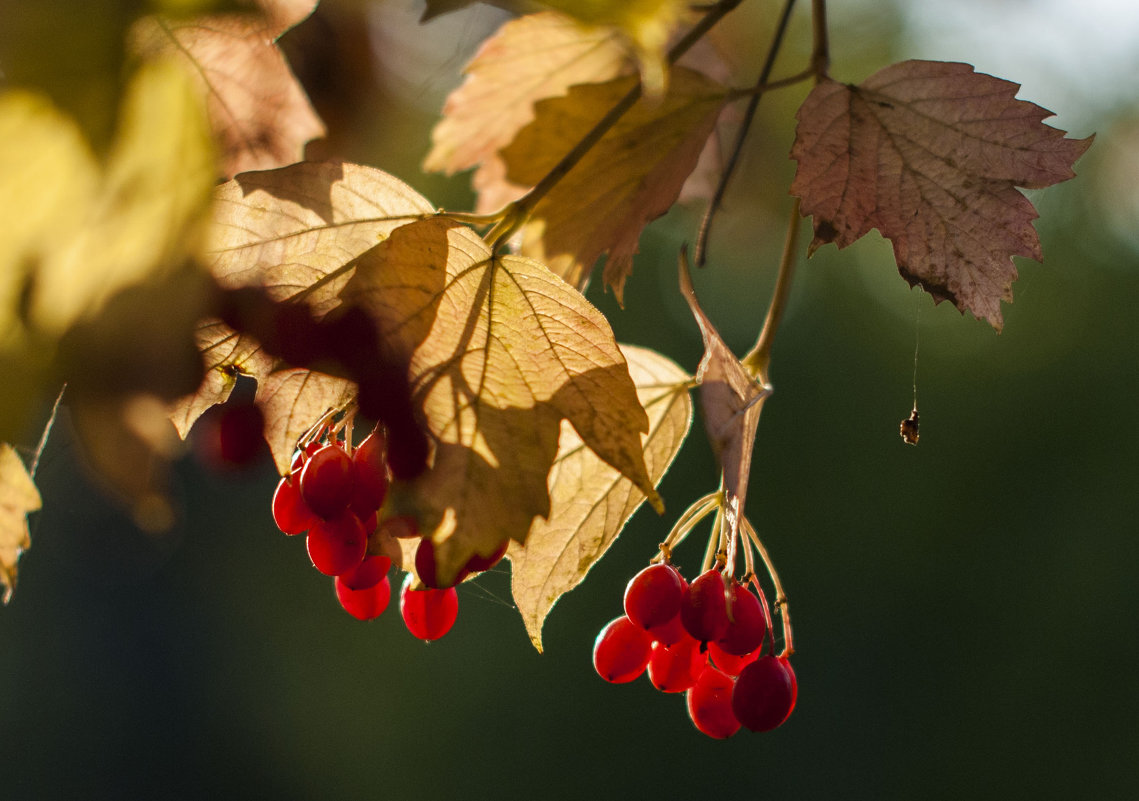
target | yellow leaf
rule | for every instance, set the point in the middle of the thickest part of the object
(632, 176)
(500, 350)
(527, 59)
(292, 400)
(590, 502)
(18, 496)
(144, 220)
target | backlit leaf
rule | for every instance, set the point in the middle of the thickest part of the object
(590, 502)
(930, 154)
(292, 400)
(632, 176)
(258, 111)
(528, 59)
(18, 497)
(500, 350)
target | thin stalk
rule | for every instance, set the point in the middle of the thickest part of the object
(516, 213)
(47, 430)
(780, 596)
(685, 523)
(758, 359)
(821, 55)
(713, 541)
(741, 136)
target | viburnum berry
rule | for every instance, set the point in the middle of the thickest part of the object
(364, 591)
(746, 623)
(428, 613)
(337, 545)
(328, 481)
(710, 704)
(671, 632)
(704, 608)
(674, 669)
(479, 563)
(765, 693)
(371, 472)
(652, 597)
(621, 651)
(230, 436)
(425, 566)
(730, 663)
(290, 513)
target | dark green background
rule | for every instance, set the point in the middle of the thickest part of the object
(964, 610)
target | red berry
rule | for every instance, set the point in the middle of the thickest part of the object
(746, 624)
(671, 632)
(290, 513)
(710, 704)
(704, 608)
(367, 574)
(327, 481)
(479, 563)
(425, 567)
(371, 469)
(652, 597)
(230, 436)
(336, 546)
(428, 613)
(621, 651)
(367, 603)
(730, 663)
(765, 693)
(674, 669)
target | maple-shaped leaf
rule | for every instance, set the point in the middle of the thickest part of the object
(18, 497)
(646, 24)
(500, 351)
(258, 110)
(731, 401)
(632, 176)
(590, 502)
(930, 154)
(527, 59)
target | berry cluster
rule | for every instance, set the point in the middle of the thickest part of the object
(334, 493)
(704, 639)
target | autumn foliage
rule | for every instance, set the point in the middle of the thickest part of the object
(151, 263)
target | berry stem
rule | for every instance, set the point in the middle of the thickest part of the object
(686, 522)
(780, 596)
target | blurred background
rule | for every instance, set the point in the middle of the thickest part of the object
(965, 611)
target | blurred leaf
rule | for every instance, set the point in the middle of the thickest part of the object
(930, 154)
(18, 496)
(528, 59)
(632, 176)
(258, 111)
(731, 401)
(500, 351)
(590, 502)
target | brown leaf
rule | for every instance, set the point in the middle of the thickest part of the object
(259, 113)
(590, 502)
(731, 401)
(632, 176)
(18, 497)
(930, 154)
(503, 351)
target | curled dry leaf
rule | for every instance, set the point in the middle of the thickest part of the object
(18, 497)
(500, 350)
(590, 502)
(731, 401)
(260, 114)
(632, 176)
(930, 154)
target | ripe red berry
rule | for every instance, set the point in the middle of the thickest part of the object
(371, 469)
(674, 669)
(652, 597)
(336, 546)
(425, 566)
(479, 563)
(427, 613)
(366, 603)
(671, 632)
(328, 481)
(290, 513)
(765, 693)
(229, 436)
(710, 704)
(746, 624)
(621, 651)
(730, 663)
(704, 608)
